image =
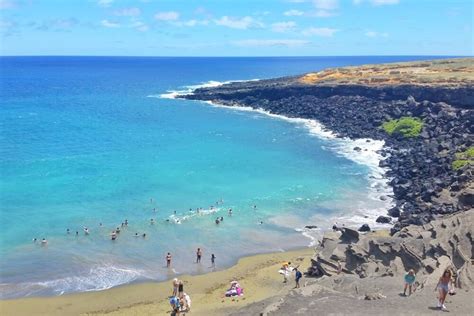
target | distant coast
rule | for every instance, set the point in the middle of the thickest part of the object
(429, 171)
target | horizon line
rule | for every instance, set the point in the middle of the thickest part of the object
(211, 56)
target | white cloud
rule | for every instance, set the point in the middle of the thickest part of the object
(107, 23)
(325, 8)
(375, 34)
(105, 3)
(319, 31)
(167, 16)
(274, 43)
(7, 4)
(326, 4)
(293, 13)
(239, 23)
(128, 12)
(324, 14)
(140, 26)
(384, 2)
(377, 2)
(191, 23)
(282, 27)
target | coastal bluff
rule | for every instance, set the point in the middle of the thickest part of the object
(431, 168)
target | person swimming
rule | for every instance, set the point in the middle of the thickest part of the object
(113, 235)
(126, 222)
(230, 212)
(77, 233)
(35, 239)
(68, 231)
(86, 230)
(44, 242)
(152, 221)
(222, 219)
(217, 221)
(136, 234)
(117, 230)
(144, 235)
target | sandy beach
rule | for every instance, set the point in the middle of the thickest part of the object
(258, 275)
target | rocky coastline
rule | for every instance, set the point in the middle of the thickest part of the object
(420, 169)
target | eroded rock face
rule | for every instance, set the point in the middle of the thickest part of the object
(427, 249)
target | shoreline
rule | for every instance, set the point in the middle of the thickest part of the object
(257, 274)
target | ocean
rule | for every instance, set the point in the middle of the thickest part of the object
(94, 141)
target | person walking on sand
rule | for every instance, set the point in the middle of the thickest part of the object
(168, 260)
(175, 287)
(443, 287)
(298, 276)
(409, 281)
(180, 289)
(198, 255)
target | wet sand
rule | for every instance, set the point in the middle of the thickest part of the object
(258, 275)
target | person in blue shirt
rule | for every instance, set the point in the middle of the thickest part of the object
(298, 276)
(409, 281)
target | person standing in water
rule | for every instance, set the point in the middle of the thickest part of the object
(198, 255)
(168, 260)
(213, 261)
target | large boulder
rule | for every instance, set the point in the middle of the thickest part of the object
(383, 219)
(364, 228)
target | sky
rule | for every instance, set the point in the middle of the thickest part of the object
(236, 27)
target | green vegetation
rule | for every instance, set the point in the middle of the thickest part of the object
(407, 126)
(464, 158)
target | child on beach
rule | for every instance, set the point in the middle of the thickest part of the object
(443, 287)
(298, 276)
(409, 281)
(175, 287)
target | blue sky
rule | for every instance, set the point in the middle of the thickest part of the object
(236, 28)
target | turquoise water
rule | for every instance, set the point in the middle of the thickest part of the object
(85, 141)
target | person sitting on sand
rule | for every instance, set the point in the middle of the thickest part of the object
(443, 287)
(298, 276)
(168, 260)
(175, 286)
(409, 281)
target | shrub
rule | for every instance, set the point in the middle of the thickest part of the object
(406, 126)
(458, 164)
(464, 158)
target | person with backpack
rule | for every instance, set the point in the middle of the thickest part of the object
(298, 276)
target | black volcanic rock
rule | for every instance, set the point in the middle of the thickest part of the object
(420, 167)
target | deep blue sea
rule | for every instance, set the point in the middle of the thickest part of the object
(90, 140)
